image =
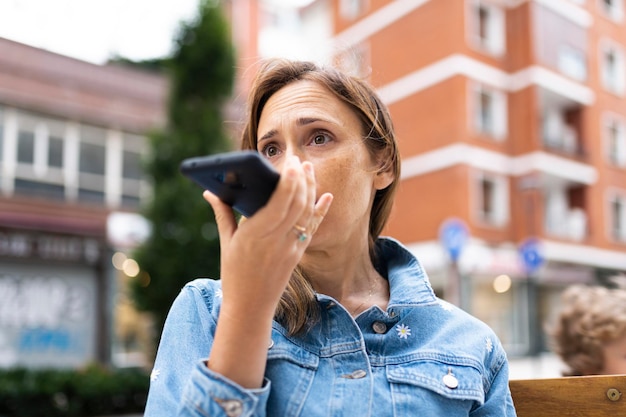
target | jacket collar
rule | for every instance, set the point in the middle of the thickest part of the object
(408, 282)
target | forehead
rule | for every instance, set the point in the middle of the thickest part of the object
(305, 98)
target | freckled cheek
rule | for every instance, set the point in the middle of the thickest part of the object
(346, 186)
(331, 176)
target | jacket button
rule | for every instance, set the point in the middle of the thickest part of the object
(379, 327)
(232, 408)
(450, 381)
(358, 374)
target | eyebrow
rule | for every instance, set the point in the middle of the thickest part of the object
(303, 121)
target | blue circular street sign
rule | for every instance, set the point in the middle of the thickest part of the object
(531, 254)
(453, 234)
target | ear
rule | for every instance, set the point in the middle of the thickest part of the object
(383, 179)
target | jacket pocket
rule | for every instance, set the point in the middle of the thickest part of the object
(438, 387)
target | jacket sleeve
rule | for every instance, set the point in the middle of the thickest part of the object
(498, 400)
(180, 383)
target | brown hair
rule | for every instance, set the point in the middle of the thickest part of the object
(298, 304)
(589, 317)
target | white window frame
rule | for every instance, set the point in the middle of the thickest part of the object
(494, 42)
(614, 85)
(356, 60)
(499, 102)
(613, 196)
(500, 215)
(614, 12)
(609, 121)
(352, 9)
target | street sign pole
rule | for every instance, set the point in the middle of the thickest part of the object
(453, 235)
(532, 258)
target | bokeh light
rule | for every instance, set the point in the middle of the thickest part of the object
(501, 284)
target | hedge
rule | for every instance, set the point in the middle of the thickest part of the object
(93, 391)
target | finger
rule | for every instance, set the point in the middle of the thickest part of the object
(311, 188)
(321, 209)
(282, 210)
(224, 217)
(304, 225)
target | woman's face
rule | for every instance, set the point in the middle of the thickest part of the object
(305, 119)
(615, 357)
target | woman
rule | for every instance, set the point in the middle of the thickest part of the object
(318, 316)
(589, 333)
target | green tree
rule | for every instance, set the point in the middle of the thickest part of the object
(184, 241)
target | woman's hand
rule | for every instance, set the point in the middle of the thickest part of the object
(259, 254)
(258, 257)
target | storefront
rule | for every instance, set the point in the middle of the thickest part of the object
(53, 299)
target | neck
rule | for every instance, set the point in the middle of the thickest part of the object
(351, 280)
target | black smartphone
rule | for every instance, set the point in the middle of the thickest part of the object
(245, 180)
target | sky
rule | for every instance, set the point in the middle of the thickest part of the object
(95, 30)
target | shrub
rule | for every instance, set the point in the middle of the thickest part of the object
(91, 391)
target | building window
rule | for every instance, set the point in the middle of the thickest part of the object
(26, 142)
(571, 62)
(559, 131)
(565, 214)
(39, 156)
(351, 9)
(133, 181)
(487, 26)
(617, 217)
(613, 9)
(615, 140)
(492, 199)
(91, 164)
(63, 160)
(355, 60)
(490, 112)
(613, 68)
(55, 152)
(55, 144)
(30, 137)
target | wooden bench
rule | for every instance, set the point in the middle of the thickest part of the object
(585, 396)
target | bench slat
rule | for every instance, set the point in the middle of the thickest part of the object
(570, 396)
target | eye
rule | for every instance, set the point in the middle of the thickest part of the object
(320, 139)
(270, 150)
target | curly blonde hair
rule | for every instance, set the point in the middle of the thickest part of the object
(590, 317)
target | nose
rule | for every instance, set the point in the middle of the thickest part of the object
(293, 150)
(288, 152)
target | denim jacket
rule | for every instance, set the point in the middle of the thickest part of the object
(420, 357)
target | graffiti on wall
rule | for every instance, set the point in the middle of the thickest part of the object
(46, 318)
